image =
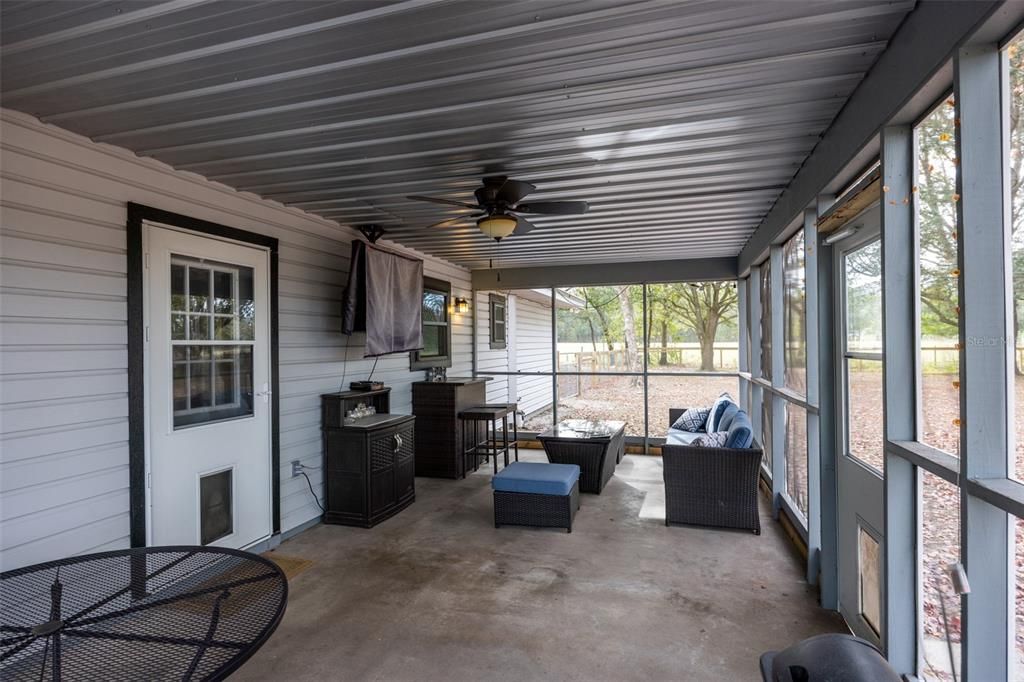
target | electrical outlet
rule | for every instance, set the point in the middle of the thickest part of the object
(296, 468)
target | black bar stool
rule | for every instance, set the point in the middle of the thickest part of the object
(487, 418)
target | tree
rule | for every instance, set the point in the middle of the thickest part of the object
(701, 307)
(1015, 54)
(596, 302)
(629, 325)
(936, 201)
(936, 209)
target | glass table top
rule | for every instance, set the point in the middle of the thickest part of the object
(583, 429)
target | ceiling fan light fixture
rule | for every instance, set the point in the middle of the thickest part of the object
(497, 226)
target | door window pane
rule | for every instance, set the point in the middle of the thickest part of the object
(223, 292)
(199, 289)
(246, 305)
(940, 545)
(216, 519)
(212, 383)
(864, 426)
(692, 326)
(863, 274)
(935, 203)
(794, 292)
(796, 456)
(870, 573)
(178, 296)
(199, 327)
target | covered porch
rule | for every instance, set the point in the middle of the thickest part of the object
(443, 594)
(795, 221)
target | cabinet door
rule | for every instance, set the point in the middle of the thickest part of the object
(383, 449)
(405, 464)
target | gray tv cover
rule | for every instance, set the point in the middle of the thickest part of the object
(384, 298)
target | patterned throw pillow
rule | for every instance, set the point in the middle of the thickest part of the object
(716, 439)
(692, 420)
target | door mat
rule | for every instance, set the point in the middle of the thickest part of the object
(292, 566)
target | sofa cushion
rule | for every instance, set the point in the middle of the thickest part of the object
(741, 431)
(731, 410)
(540, 478)
(680, 437)
(712, 440)
(717, 409)
(693, 419)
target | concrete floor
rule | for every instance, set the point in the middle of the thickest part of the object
(437, 593)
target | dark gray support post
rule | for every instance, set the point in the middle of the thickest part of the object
(899, 305)
(828, 450)
(986, 367)
(778, 410)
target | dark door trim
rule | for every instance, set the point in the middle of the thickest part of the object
(136, 358)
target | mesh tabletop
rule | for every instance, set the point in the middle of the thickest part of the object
(152, 613)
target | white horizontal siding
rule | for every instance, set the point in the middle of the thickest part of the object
(528, 349)
(63, 333)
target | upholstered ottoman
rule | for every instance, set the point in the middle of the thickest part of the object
(536, 494)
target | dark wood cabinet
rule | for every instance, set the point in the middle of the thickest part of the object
(369, 466)
(438, 436)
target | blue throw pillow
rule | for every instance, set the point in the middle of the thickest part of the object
(731, 410)
(692, 420)
(717, 409)
(741, 431)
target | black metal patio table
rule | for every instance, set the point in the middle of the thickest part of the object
(185, 613)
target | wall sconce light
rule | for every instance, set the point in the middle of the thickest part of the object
(461, 306)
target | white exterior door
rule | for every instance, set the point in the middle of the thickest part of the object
(859, 364)
(208, 390)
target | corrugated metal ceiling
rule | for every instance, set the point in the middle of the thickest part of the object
(680, 122)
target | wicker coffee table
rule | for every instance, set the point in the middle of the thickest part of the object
(153, 613)
(595, 446)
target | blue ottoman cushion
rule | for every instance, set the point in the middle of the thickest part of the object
(536, 477)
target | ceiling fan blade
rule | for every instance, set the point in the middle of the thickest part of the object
(446, 202)
(513, 191)
(456, 220)
(554, 207)
(522, 226)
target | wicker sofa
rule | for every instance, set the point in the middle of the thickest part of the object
(708, 486)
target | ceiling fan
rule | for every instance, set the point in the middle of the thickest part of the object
(498, 203)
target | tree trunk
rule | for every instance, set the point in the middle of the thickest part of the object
(707, 344)
(629, 322)
(663, 358)
(604, 328)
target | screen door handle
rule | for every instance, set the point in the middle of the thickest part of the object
(265, 393)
